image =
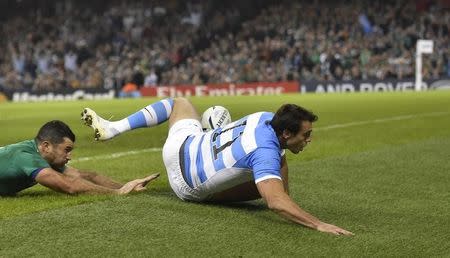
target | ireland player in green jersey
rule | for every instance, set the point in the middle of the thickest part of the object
(43, 160)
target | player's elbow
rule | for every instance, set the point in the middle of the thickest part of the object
(88, 175)
(70, 187)
(279, 203)
(70, 190)
(64, 189)
(275, 204)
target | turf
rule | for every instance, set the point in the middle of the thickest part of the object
(378, 165)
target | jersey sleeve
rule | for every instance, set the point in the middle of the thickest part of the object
(266, 164)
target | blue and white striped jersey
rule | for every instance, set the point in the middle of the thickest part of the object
(242, 150)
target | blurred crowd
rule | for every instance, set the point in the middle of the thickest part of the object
(150, 43)
(105, 46)
(324, 41)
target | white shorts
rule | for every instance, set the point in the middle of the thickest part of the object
(171, 156)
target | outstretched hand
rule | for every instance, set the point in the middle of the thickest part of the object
(137, 184)
(145, 181)
(332, 229)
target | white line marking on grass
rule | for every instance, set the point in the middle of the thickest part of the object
(117, 155)
(330, 127)
(394, 118)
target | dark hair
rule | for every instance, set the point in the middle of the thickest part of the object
(288, 117)
(54, 132)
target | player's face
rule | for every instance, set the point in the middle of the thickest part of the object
(297, 142)
(59, 154)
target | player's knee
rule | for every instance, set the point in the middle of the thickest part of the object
(185, 107)
(181, 101)
(182, 109)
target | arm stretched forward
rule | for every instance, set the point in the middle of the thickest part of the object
(272, 190)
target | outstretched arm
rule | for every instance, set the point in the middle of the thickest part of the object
(76, 185)
(285, 173)
(93, 177)
(272, 191)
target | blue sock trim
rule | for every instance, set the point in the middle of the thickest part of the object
(137, 120)
(170, 102)
(160, 110)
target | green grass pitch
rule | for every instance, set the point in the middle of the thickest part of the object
(378, 165)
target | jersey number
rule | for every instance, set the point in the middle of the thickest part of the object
(218, 149)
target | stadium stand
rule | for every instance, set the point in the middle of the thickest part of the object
(50, 45)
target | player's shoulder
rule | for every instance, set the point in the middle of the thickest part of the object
(263, 124)
(264, 133)
(24, 150)
(263, 115)
(22, 146)
(259, 118)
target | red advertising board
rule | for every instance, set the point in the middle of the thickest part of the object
(224, 89)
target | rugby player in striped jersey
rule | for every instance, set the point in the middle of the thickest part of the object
(243, 160)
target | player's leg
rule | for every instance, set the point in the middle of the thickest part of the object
(148, 116)
(183, 121)
(182, 109)
(240, 193)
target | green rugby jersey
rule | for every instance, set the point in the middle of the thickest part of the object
(19, 164)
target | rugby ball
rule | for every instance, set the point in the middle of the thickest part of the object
(215, 117)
